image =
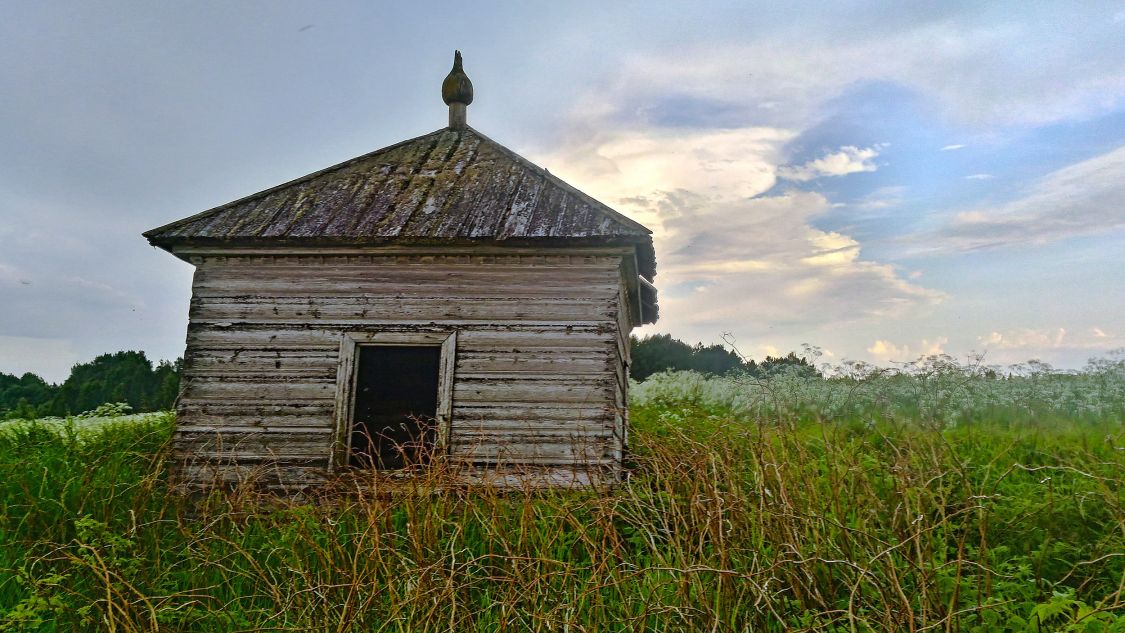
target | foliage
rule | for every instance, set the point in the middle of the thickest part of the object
(933, 391)
(126, 377)
(788, 510)
(660, 352)
(87, 423)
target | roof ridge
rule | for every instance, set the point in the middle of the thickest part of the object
(265, 192)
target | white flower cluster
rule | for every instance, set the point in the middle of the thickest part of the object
(933, 389)
(85, 423)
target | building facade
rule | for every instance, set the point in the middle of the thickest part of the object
(439, 300)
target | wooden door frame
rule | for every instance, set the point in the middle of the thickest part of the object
(348, 368)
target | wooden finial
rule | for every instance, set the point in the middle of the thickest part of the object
(457, 93)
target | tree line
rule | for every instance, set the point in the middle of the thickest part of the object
(660, 352)
(132, 378)
(127, 377)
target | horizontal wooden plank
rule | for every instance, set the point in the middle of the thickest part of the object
(248, 450)
(228, 430)
(543, 391)
(278, 390)
(287, 409)
(326, 280)
(353, 309)
(590, 453)
(530, 410)
(522, 339)
(535, 361)
(517, 436)
(247, 420)
(262, 373)
(396, 254)
(548, 428)
(246, 454)
(335, 271)
(299, 361)
(238, 435)
(435, 256)
(450, 290)
(481, 338)
(198, 473)
(371, 324)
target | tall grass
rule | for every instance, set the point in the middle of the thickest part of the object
(732, 520)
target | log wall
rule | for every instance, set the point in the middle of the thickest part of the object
(539, 379)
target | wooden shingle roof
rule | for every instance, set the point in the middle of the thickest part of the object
(449, 186)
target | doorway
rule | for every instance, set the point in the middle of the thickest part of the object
(396, 394)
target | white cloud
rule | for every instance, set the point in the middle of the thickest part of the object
(1082, 199)
(979, 177)
(955, 146)
(848, 160)
(976, 71)
(886, 351)
(1020, 338)
(1072, 346)
(1045, 339)
(762, 261)
(655, 174)
(875, 202)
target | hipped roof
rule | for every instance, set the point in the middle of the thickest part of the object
(447, 187)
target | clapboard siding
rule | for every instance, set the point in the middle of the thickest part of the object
(476, 337)
(305, 307)
(538, 376)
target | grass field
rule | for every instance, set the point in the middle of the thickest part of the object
(935, 499)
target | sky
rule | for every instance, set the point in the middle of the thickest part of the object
(879, 180)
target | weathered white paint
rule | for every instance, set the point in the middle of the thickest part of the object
(534, 377)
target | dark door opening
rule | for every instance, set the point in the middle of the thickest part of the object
(396, 397)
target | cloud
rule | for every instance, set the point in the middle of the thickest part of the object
(949, 148)
(658, 174)
(1024, 338)
(975, 71)
(767, 270)
(1081, 199)
(848, 160)
(1043, 339)
(886, 351)
(1070, 346)
(979, 177)
(879, 199)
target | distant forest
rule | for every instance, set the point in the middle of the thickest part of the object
(127, 377)
(661, 352)
(132, 378)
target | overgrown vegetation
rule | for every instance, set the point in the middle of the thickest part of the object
(127, 377)
(931, 499)
(660, 352)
